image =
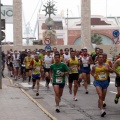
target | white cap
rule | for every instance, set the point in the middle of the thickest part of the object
(38, 53)
(23, 49)
(85, 48)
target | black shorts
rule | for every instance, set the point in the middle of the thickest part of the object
(27, 70)
(46, 69)
(73, 77)
(11, 64)
(109, 79)
(60, 85)
(22, 70)
(117, 82)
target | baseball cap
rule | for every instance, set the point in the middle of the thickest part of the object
(85, 48)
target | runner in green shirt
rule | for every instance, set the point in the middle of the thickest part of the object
(58, 70)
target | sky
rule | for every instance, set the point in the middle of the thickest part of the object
(98, 7)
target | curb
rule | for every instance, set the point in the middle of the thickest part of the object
(33, 100)
(43, 109)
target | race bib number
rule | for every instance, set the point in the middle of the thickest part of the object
(37, 68)
(58, 79)
(15, 63)
(74, 69)
(85, 65)
(23, 65)
(102, 75)
(47, 65)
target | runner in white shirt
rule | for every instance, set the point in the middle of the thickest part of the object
(48, 60)
(16, 65)
(66, 55)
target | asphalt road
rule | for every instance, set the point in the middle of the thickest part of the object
(86, 108)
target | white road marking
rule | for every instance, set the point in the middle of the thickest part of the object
(26, 85)
(112, 82)
(113, 92)
(43, 84)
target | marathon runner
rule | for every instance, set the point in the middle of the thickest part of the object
(58, 70)
(28, 69)
(100, 74)
(86, 60)
(36, 64)
(73, 65)
(48, 60)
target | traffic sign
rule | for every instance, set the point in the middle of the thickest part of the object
(2, 35)
(116, 33)
(47, 47)
(47, 41)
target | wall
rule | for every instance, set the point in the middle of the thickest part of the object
(74, 34)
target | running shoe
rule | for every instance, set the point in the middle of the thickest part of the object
(75, 99)
(103, 113)
(86, 92)
(104, 105)
(57, 109)
(37, 94)
(116, 99)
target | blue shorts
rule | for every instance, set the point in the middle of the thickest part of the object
(60, 85)
(35, 77)
(101, 84)
(85, 70)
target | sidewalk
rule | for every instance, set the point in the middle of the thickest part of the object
(15, 105)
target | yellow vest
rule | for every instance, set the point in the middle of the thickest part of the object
(28, 60)
(37, 66)
(73, 64)
(101, 73)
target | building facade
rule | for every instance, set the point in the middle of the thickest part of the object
(68, 30)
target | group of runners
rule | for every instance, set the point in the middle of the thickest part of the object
(63, 67)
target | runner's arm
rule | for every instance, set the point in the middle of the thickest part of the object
(90, 60)
(93, 72)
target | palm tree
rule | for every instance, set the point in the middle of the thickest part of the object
(96, 39)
